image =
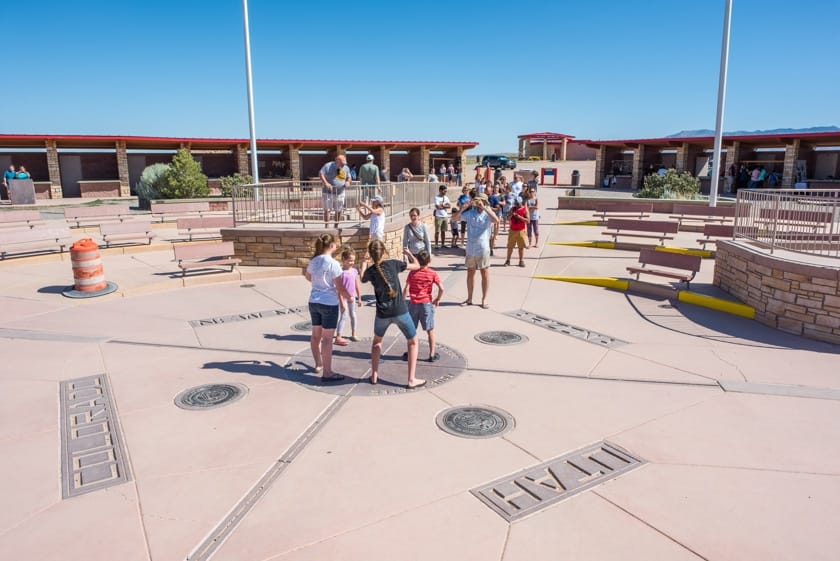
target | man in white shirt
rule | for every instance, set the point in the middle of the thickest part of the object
(442, 206)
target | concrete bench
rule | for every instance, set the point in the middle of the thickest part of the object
(20, 219)
(716, 230)
(205, 256)
(626, 227)
(31, 240)
(132, 230)
(623, 210)
(703, 213)
(209, 226)
(680, 267)
(168, 212)
(92, 215)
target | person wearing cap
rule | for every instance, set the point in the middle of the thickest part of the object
(369, 177)
(480, 220)
(335, 177)
(375, 211)
(442, 206)
(518, 222)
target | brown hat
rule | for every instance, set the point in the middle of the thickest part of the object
(482, 196)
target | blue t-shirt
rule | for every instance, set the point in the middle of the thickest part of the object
(9, 174)
(494, 201)
(479, 226)
(323, 270)
(337, 176)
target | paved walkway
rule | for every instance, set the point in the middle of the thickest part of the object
(723, 430)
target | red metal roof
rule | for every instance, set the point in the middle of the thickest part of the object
(830, 135)
(546, 135)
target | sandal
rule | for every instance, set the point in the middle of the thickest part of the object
(507, 263)
(521, 263)
(435, 357)
(417, 384)
(466, 303)
(341, 342)
(485, 307)
(353, 338)
(332, 378)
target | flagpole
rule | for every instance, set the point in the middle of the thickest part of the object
(255, 173)
(721, 100)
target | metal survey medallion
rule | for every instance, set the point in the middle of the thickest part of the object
(475, 421)
(302, 326)
(210, 396)
(500, 338)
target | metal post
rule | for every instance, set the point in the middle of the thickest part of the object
(255, 172)
(724, 63)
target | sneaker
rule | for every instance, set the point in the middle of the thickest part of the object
(405, 356)
(491, 252)
(435, 357)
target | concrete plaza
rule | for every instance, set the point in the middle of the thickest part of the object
(732, 423)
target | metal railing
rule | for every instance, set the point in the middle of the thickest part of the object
(806, 221)
(299, 202)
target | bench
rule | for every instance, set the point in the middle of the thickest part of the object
(209, 226)
(681, 267)
(717, 230)
(624, 227)
(20, 219)
(167, 212)
(205, 255)
(623, 210)
(814, 219)
(92, 215)
(703, 213)
(33, 240)
(132, 230)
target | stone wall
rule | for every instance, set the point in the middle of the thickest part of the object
(796, 297)
(277, 245)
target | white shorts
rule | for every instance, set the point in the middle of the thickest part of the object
(332, 201)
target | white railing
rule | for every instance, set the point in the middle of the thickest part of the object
(299, 202)
(807, 221)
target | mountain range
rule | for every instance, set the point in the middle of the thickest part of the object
(707, 132)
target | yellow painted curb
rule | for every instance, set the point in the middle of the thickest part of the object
(704, 253)
(606, 282)
(579, 223)
(719, 304)
(599, 245)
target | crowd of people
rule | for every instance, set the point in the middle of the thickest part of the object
(10, 174)
(476, 218)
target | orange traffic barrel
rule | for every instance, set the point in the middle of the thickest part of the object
(88, 274)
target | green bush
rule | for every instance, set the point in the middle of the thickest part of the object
(228, 182)
(184, 179)
(151, 182)
(672, 185)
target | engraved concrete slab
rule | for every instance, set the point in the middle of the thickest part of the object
(501, 338)
(92, 452)
(246, 316)
(353, 361)
(475, 421)
(538, 487)
(210, 396)
(567, 329)
(302, 326)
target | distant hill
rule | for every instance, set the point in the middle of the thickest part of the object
(707, 132)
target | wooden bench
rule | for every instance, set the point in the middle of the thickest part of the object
(20, 219)
(717, 230)
(209, 226)
(205, 255)
(132, 230)
(32, 240)
(92, 215)
(680, 267)
(625, 226)
(623, 210)
(703, 213)
(168, 212)
(813, 219)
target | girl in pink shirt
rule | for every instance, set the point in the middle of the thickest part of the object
(353, 286)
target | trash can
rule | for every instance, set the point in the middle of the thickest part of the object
(575, 178)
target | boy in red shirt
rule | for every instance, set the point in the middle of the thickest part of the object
(421, 306)
(518, 221)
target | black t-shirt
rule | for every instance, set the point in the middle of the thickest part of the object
(386, 306)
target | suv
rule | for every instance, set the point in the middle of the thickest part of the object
(496, 161)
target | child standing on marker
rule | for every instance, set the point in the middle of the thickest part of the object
(353, 286)
(421, 305)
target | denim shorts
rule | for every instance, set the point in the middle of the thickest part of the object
(380, 325)
(323, 315)
(424, 313)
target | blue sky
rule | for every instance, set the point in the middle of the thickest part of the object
(435, 70)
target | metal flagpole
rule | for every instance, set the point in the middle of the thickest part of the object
(254, 169)
(724, 63)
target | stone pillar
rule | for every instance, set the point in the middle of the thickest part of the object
(731, 159)
(122, 169)
(545, 149)
(563, 149)
(384, 161)
(522, 152)
(424, 160)
(243, 163)
(54, 170)
(682, 157)
(638, 167)
(294, 162)
(789, 172)
(600, 165)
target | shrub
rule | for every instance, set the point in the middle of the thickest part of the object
(672, 185)
(228, 182)
(151, 181)
(184, 179)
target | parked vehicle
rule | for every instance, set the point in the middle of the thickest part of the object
(496, 161)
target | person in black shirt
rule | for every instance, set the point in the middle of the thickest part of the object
(383, 274)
